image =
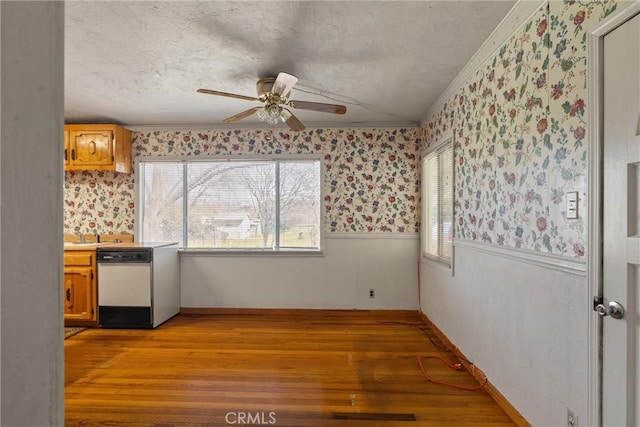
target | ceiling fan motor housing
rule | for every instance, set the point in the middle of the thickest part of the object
(265, 85)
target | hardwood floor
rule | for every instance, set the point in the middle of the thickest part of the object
(314, 369)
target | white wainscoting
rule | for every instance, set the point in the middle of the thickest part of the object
(340, 279)
(522, 318)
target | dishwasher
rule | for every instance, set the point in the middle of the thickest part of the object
(138, 285)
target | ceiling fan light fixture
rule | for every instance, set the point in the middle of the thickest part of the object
(273, 114)
(272, 120)
(270, 114)
(262, 114)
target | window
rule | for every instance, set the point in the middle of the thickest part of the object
(437, 202)
(242, 205)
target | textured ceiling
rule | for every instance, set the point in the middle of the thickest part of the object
(139, 63)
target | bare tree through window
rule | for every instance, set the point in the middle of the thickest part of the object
(233, 204)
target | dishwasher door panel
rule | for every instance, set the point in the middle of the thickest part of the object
(124, 285)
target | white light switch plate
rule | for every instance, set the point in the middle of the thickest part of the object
(572, 205)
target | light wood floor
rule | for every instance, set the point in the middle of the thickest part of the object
(286, 370)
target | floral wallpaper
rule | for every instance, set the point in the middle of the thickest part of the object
(371, 176)
(520, 128)
(98, 202)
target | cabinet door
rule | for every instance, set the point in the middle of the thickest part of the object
(91, 147)
(67, 149)
(78, 293)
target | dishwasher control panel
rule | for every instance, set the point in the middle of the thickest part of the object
(124, 256)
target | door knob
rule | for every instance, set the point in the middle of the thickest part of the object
(613, 309)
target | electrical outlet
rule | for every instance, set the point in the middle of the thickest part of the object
(372, 293)
(572, 418)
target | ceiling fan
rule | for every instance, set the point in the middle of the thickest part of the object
(274, 93)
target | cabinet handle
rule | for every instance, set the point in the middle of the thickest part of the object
(92, 147)
(68, 294)
(69, 297)
(73, 154)
(66, 156)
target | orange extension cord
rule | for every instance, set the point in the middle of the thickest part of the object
(456, 366)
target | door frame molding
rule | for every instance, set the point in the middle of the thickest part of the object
(595, 63)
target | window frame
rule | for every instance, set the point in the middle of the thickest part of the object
(444, 143)
(288, 251)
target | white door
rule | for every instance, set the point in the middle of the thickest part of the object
(621, 226)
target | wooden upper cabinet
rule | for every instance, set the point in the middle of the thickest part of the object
(97, 147)
(92, 147)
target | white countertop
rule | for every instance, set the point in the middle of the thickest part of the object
(134, 245)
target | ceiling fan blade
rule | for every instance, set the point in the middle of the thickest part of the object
(283, 84)
(317, 106)
(242, 115)
(230, 95)
(292, 121)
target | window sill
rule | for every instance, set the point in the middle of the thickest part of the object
(439, 264)
(249, 253)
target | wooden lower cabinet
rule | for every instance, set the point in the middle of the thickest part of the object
(79, 289)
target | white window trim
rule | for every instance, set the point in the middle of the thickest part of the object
(234, 157)
(447, 138)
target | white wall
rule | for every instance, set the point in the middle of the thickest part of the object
(521, 317)
(341, 279)
(31, 123)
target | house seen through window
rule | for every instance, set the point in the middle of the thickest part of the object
(232, 204)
